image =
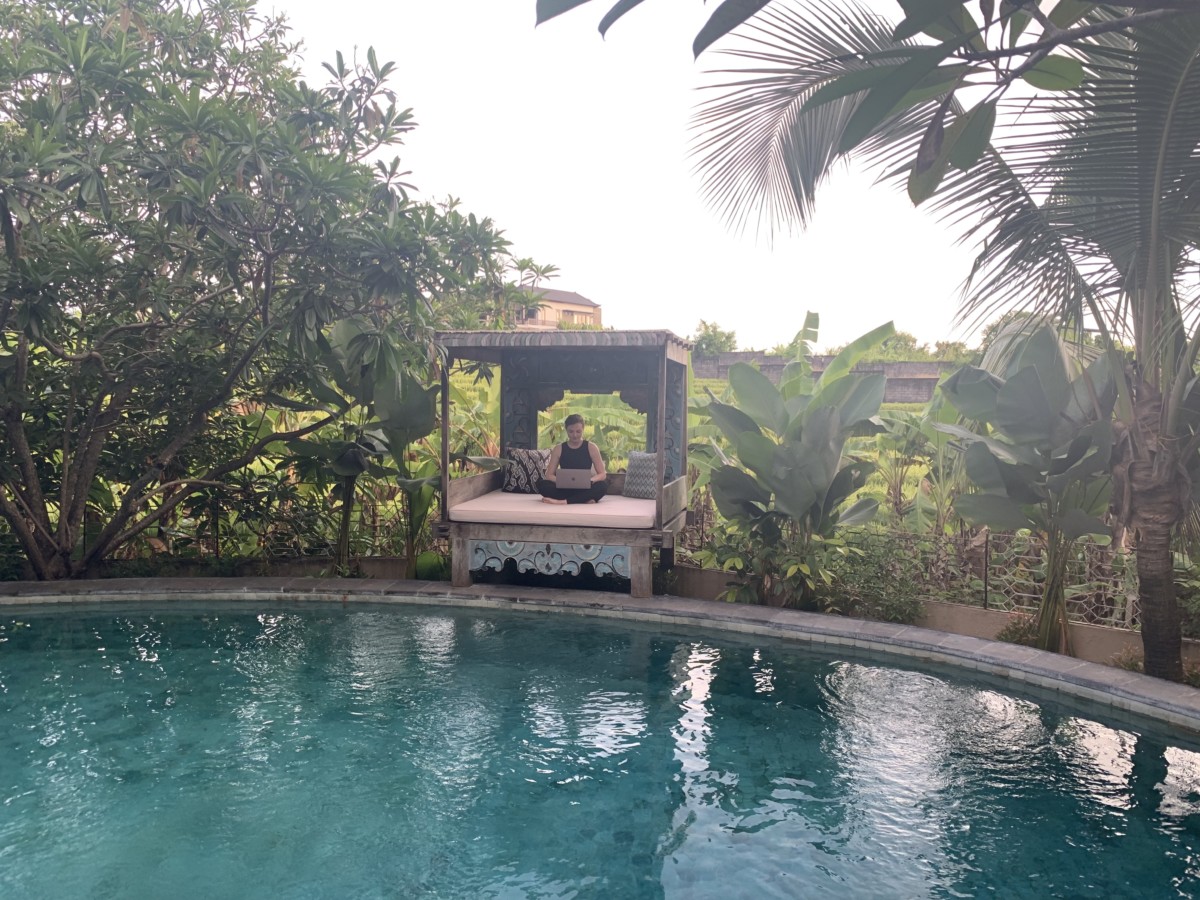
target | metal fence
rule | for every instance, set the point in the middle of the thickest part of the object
(1002, 571)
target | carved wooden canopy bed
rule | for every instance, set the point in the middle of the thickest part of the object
(487, 526)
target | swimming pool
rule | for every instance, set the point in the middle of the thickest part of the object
(230, 751)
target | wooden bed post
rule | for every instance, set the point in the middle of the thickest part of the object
(460, 565)
(660, 437)
(641, 579)
(443, 505)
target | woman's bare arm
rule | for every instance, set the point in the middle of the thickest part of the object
(597, 462)
(552, 465)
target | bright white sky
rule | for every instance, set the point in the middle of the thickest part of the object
(576, 146)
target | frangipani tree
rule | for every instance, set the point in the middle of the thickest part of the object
(182, 220)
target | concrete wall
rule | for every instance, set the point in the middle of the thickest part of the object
(907, 382)
(1093, 643)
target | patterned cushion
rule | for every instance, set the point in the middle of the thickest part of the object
(527, 469)
(641, 477)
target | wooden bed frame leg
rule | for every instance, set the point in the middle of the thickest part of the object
(460, 563)
(641, 582)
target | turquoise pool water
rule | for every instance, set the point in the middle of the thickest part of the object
(396, 752)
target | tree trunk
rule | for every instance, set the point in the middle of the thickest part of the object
(342, 556)
(1151, 495)
(1160, 614)
(1053, 632)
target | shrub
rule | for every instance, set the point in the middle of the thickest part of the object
(880, 579)
(1021, 629)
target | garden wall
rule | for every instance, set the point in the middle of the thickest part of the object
(907, 382)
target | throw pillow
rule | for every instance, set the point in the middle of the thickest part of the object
(527, 469)
(641, 476)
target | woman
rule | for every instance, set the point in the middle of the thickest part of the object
(574, 453)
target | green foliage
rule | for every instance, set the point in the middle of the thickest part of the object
(184, 224)
(769, 567)
(710, 339)
(877, 580)
(784, 482)
(1021, 628)
(1088, 221)
(1187, 583)
(612, 424)
(431, 566)
(1044, 464)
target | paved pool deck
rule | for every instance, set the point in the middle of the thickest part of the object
(1173, 705)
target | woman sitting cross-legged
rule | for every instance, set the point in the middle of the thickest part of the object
(574, 453)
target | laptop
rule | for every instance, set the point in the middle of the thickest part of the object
(573, 479)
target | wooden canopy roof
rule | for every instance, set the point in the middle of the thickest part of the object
(487, 346)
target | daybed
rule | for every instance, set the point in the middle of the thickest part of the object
(487, 526)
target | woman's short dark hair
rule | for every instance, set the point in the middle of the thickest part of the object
(573, 419)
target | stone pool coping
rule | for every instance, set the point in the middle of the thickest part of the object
(1175, 705)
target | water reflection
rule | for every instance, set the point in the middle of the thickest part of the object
(465, 755)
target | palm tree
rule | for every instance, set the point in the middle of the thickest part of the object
(1086, 204)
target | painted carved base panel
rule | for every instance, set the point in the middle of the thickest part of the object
(550, 559)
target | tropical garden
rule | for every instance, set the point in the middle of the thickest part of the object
(1062, 138)
(217, 328)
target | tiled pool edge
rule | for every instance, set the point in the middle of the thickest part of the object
(1172, 704)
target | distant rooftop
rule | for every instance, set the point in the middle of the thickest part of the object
(561, 296)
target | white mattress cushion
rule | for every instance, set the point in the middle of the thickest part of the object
(614, 511)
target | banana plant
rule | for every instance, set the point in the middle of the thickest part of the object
(786, 479)
(1044, 462)
(378, 373)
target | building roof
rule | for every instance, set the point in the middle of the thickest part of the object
(486, 345)
(559, 338)
(560, 296)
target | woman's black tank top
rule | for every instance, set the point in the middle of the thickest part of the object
(579, 458)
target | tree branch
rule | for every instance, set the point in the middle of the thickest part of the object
(1071, 35)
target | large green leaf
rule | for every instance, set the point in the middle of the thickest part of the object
(850, 479)
(731, 420)
(1055, 73)
(883, 99)
(974, 135)
(796, 496)
(758, 397)
(858, 513)
(973, 392)
(408, 416)
(1075, 523)
(992, 510)
(1089, 455)
(757, 452)
(1092, 397)
(1019, 482)
(796, 381)
(1045, 351)
(853, 353)
(933, 155)
(999, 449)
(856, 397)
(1023, 411)
(737, 494)
(920, 14)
